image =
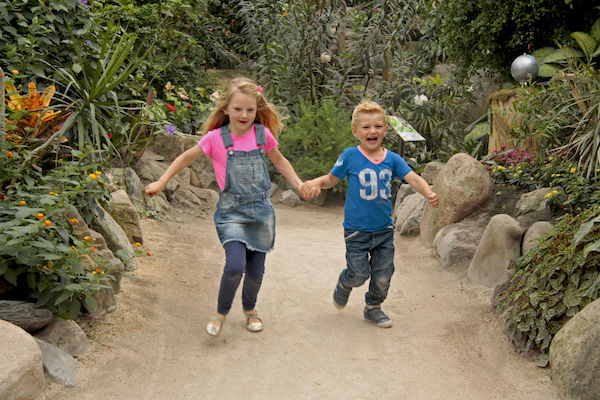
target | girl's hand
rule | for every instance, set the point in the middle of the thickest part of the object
(154, 188)
(309, 190)
(433, 199)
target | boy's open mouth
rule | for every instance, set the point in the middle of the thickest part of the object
(372, 140)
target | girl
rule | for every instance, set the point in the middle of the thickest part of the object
(238, 133)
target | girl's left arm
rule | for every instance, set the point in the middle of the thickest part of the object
(285, 168)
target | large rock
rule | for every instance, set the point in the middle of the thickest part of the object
(456, 244)
(65, 334)
(25, 315)
(21, 369)
(59, 364)
(498, 251)
(152, 171)
(128, 180)
(431, 171)
(533, 235)
(409, 213)
(124, 212)
(463, 186)
(200, 199)
(115, 237)
(575, 355)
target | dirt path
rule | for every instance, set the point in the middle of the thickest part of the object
(445, 344)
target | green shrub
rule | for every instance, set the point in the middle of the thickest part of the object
(573, 190)
(314, 139)
(554, 281)
(40, 257)
(32, 31)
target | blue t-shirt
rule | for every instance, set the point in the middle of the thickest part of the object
(369, 198)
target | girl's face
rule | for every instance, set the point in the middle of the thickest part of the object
(242, 112)
(370, 129)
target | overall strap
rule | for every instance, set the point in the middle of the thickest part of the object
(260, 134)
(226, 136)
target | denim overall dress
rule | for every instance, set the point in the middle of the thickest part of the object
(244, 211)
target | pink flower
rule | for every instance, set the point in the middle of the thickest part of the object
(259, 88)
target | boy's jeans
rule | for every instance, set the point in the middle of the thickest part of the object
(369, 254)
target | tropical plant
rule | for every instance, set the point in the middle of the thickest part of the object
(553, 60)
(565, 115)
(40, 256)
(29, 114)
(32, 31)
(314, 139)
(486, 34)
(317, 50)
(554, 281)
(89, 92)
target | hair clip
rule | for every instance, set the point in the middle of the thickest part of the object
(259, 88)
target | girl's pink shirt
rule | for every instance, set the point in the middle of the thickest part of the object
(212, 145)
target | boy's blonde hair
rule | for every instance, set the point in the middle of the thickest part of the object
(366, 106)
(266, 114)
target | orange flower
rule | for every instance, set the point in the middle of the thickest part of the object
(47, 222)
(73, 220)
(40, 216)
(98, 173)
(148, 253)
(93, 248)
(50, 265)
(138, 244)
(22, 203)
(9, 154)
(87, 238)
(285, 13)
(92, 176)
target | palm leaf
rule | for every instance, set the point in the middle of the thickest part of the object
(562, 55)
(541, 54)
(479, 130)
(549, 70)
(587, 43)
(595, 31)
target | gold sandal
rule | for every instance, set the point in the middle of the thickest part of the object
(214, 326)
(253, 321)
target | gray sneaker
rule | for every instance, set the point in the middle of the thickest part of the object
(378, 317)
(340, 295)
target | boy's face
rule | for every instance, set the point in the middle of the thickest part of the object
(370, 129)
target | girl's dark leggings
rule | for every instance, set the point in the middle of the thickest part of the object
(239, 260)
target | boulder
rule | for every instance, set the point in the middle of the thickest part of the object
(123, 211)
(152, 171)
(115, 237)
(128, 180)
(463, 185)
(65, 334)
(431, 171)
(26, 315)
(59, 364)
(21, 369)
(575, 355)
(534, 233)
(455, 244)
(287, 197)
(202, 200)
(409, 213)
(497, 253)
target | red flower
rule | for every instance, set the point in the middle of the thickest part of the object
(189, 106)
(109, 135)
(171, 108)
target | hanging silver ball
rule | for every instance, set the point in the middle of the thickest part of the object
(524, 68)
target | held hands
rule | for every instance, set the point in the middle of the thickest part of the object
(309, 189)
(433, 199)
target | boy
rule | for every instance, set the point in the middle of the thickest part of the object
(368, 229)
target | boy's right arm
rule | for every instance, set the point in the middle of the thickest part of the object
(313, 187)
(183, 160)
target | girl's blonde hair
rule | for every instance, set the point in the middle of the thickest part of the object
(366, 106)
(266, 114)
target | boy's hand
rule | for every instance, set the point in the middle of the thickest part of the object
(309, 190)
(433, 199)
